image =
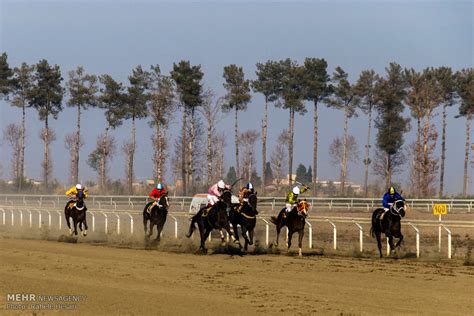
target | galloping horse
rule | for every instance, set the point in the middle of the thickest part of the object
(216, 218)
(295, 221)
(389, 224)
(76, 211)
(246, 218)
(156, 216)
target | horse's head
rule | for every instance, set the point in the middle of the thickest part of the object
(164, 201)
(303, 208)
(226, 197)
(398, 208)
(253, 201)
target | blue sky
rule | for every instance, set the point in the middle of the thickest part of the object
(115, 36)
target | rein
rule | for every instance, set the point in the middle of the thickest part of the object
(396, 211)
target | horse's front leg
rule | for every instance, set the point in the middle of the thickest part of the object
(68, 224)
(204, 234)
(84, 233)
(235, 229)
(278, 234)
(150, 230)
(245, 236)
(391, 245)
(144, 225)
(379, 242)
(400, 239)
(227, 228)
(290, 235)
(300, 241)
(75, 227)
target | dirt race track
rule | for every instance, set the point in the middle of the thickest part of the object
(111, 280)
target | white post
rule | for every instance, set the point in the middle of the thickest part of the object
(106, 222)
(449, 240)
(118, 223)
(115, 204)
(361, 236)
(3, 215)
(176, 228)
(31, 218)
(439, 234)
(334, 231)
(93, 221)
(21, 217)
(49, 219)
(417, 239)
(39, 218)
(131, 223)
(388, 248)
(60, 219)
(310, 228)
(266, 231)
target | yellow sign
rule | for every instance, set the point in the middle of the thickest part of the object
(440, 209)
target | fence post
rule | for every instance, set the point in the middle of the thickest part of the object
(266, 230)
(106, 223)
(334, 230)
(93, 220)
(388, 248)
(3, 215)
(131, 223)
(118, 222)
(449, 240)
(60, 219)
(175, 226)
(361, 236)
(49, 219)
(417, 239)
(31, 218)
(21, 217)
(310, 234)
(39, 218)
(13, 217)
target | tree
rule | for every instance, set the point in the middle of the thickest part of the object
(112, 99)
(99, 158)
(446, 79)
(301, 173)
(11, 134)
(237, 98)
(365, 90)
(278, 159)
(346, 99)
(424, 96)
(189, 86)
(46, 95)
(291, 97)
(266, 84)
(72, 145)
(269, 174)
(309, 175)
(317, 90)
(465, 90)
(23, 79)
(136, 108)
(6, 75)
(211, 112)
(218, 149)
(337, 152)
(248, 139)
(391, 126)
(161, 108)
(231, 176)
(82, 89)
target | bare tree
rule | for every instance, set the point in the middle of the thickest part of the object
(248, 139)
(386, 166)
(279, 159)
(47, 135)
(211, 111)
(70, 143)
(337, 152)
(218, 149)
(12, 135)
(100, 157)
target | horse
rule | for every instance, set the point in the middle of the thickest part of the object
(389, 224)
(216, 218)
(246, 218)
(156, 216)
(77, 211)
(295, 221)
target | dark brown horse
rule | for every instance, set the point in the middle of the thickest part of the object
(156, 216)
(246, 218)
(295, 221)
(216, 218)
(77, 212)
(389, 225)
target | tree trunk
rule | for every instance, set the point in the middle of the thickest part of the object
(344, 154)
(183, 153)
(425, 159)
(466, 155)
(367, 155)
(237, 144)
(418, 157)
(75, 168)
(209, 150)
(161, 157)
(191, 153)
(130, 161)
(46, 154)
(22, 150)
(290, 146)
(103, 161)
(157, 148)
(264, 145)
(388, 172)
(315, 148)
(443, 153)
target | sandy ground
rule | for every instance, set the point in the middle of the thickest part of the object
(126, 281)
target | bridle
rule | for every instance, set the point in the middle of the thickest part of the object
(302, 208)
(394, 210)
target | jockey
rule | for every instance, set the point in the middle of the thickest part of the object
(244, 194)
(390, 197)
(74, 191)
(157, 192)
(214, 193)
(292, 198)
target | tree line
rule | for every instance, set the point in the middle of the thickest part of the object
(198, 152)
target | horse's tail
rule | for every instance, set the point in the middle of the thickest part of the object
(374, 222)
(192, 226)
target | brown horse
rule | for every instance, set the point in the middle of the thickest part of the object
(294, 221)
(77, 212)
